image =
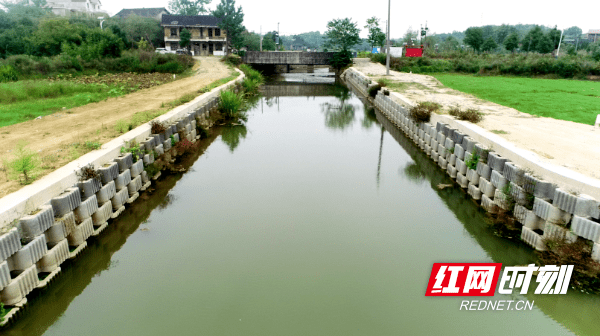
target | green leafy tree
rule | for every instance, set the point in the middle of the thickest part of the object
(376, 36)
(97, 43)
(511, 42)
(232, 21)
(573, 32)
(532, 39)
(188, 7)
(137, 27)
(342, 34)
(474, 38)
(554, 35)
(545, 45)
(489, 44)
(184, 38)
(410, 36)
(269, 41)
(52, 33)
(450, 43)
(251, 41)
(502, 33)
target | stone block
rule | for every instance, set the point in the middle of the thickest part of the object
(123, 180)
(513, 173)
(452, 171)
(550, 213)
(553, 231)
(533, 239)
(134, 185)
(446, 129)
(86, 209)
(167, 144)
(442, 162)
(159, 150)
(124, 161)
(439, 126)
(503, 201)
(34, 225)
(474, 191)
(168, 132)
(428, 150)
(533, 222)
(56, 233)
(586, 228)
(496, 161)
(20, 286)
(68, 221)
(434, 145)
(145, 178)
(459, 151)
(54, 258)
(81, 232)
(109, 172)
(102, 215)
(518, 194)
(4, 275)
(120, 198)
(106, 192)
(498, 180)
(440, 138)
(452, 160)
(520, 213)
(468, 143)
(434, 155)
(28, 254)
(488, 204)
(66, 202)
(484, 170)
(148, 159)
(461, 167)
(458, 137)
(473, 176)
(537, 187)
(137, 168)
(449, 144)
(89, 187)
(486, 187)
(441, 150)
(580, 205)
(468, 156)
(462, 180)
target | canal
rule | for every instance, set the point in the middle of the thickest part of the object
(315, 218)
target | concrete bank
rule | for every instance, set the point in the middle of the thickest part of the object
(498, 175)
(49, 221)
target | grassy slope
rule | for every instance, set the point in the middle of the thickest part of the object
(572, 100)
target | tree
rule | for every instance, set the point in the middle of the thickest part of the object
(512, 42)
(503, 31)
(269, 41)
(573, 32)
(489, 44)
(450, 43)
(51, 34)
(24, 165)
(410, 36)
(532, 40)
(342, 34)
(231, 21)
(184, 38)
(137, 27)
(376, 36)
(188, 7)
(474, 37)
(554, 35)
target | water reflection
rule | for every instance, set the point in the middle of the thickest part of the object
(232, 135)
(339, 114)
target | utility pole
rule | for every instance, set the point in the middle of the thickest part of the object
(278, 38)
(387, 58)
(261, 37)
(559, 41)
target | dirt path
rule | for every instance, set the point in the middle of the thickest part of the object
(565, 143)
(53, 136)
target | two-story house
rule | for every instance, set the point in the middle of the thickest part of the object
(207, 38)
(76, 7)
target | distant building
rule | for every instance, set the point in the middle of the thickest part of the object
(76, 7)
(154, 13)
(207, 37)
(593, 35)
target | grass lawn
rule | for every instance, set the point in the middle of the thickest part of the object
(564, 99)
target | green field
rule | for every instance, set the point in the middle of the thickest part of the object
(564, 99)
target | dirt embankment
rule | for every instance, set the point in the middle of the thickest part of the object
(565, 143)
(54, 137)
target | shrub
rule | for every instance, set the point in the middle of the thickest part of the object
(88, 172)
(24, 166)
(252, 73)
(472, 115)
(250, 85)
(373, 90)
(586, 272)
(231, 105)
(232, 59)
(184, 146)
(422, 112)
(8, 74)
(157, 127)
(472, 162)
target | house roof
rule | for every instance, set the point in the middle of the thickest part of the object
(594, 31)
(143, 12)
(190, 20)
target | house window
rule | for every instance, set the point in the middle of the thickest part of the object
(218, 47)
(217, 32)
(210, 32)
(173, 31)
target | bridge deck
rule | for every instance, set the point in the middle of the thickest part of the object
(287, 57)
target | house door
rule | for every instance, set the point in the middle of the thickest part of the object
(196, 49)
(210, 48)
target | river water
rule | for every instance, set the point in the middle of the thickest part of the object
(316, 218)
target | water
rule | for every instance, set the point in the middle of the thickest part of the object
(317, 218)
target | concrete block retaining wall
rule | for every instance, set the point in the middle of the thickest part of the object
(502, 179)
(49, 221)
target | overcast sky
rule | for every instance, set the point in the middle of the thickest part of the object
(442, 16)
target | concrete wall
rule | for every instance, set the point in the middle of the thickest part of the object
(287, 57)
(41, 223)
(542, 203)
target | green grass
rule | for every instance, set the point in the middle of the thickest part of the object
(564, 99)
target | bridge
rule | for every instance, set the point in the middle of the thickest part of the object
(287, 58)
(295, 89)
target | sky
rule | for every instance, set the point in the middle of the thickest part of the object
(440, 16)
